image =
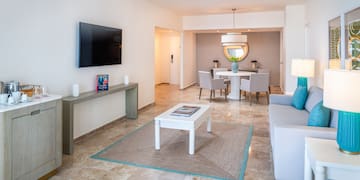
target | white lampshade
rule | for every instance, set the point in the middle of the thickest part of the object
(303, 67)
(342, 90)
(233, 39)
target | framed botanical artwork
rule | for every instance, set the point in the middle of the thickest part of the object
(352, 39)
(334, 43)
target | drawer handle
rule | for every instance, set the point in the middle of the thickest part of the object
(35, 112)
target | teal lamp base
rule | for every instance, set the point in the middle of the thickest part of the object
(302, 81)
(348, 132)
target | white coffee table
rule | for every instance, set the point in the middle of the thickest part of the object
(165, 120)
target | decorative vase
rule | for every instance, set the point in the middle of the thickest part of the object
(234, 67)
(348, 132)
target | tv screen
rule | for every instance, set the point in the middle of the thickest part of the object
(99, 45)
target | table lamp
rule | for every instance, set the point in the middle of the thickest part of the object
(302, 68)
(342, 92)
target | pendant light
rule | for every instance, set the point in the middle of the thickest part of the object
(233, 39)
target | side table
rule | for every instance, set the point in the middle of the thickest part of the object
(322, 156)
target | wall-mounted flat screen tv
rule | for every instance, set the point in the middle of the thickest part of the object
(99, 45)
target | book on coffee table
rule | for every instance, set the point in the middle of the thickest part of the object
(185, 111)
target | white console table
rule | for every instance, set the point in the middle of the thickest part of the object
(131, 91)
(323, 157)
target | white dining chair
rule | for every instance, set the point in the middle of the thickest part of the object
(226, 80)
(207, 82)
(265, 71)
(257, 83)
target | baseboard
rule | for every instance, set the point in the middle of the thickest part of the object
(189, 85)
(48, 175)
(147, 106)
(159, 84)
(289, 93)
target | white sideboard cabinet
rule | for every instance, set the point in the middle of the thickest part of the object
(30, 138)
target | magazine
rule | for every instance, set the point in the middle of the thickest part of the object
(185, 111)
(102, 82)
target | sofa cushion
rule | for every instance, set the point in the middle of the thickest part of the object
(314, 97)
(299, 97)
(319, 116)
(283, 115)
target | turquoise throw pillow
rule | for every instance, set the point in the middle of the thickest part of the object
(319, 116)
(299, 97)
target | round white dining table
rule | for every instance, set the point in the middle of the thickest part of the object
(235, 82)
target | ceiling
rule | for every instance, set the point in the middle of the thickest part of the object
(203, 7)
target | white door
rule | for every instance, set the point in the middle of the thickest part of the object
(167, 56)
(175, 59)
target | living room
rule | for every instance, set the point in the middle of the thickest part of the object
(39, 45)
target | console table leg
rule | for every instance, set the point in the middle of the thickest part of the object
(132, 103)
(68, 129)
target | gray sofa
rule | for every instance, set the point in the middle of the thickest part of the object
(288, 128)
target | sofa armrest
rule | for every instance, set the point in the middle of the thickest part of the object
(289, 148)
(280, 99)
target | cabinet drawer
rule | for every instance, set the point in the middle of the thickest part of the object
(31, 110)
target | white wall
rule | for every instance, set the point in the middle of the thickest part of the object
(39, 44)
(318, 34)
(294, 42)
(271, 19)
(188, 74)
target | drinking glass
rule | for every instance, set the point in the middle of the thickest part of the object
(44, 91)
(37, 92)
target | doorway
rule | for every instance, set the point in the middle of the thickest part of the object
(167, 56)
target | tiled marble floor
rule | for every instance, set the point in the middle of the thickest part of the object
(81, 166)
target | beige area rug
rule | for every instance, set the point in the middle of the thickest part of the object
(221, 154)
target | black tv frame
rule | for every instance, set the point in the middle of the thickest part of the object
(99, 45)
